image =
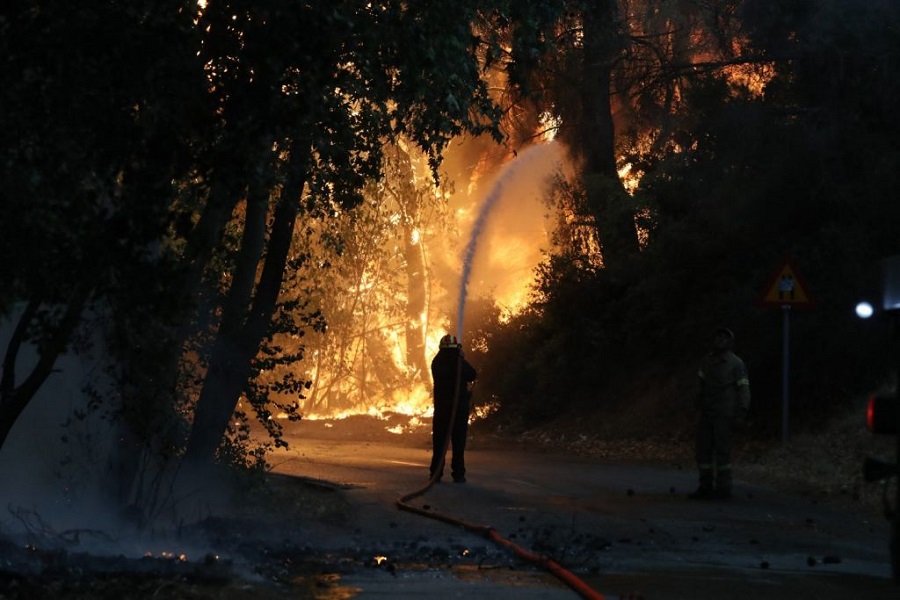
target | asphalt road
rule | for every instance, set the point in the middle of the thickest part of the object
(619, 529)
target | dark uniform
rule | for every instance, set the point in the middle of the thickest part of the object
(450, 372)
(723, 402)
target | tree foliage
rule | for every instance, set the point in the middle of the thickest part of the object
(159, 158)
(99, 112)
(733, 178)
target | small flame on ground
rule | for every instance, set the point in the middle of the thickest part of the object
(415, 404)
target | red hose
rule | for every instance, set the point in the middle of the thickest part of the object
(551, 565)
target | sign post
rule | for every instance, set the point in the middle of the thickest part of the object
(786, 289)
(785, 370)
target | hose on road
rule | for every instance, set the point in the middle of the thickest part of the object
(489, 532)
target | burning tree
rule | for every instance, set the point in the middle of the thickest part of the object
(375, 293)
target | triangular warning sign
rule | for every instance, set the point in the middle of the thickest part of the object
(786, 288)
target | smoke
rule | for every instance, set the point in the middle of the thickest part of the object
(56, 465)
(515, 232)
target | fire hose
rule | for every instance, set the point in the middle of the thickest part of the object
(487, 531)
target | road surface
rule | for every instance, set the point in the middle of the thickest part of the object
(620, 529)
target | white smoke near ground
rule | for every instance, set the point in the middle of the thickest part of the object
(56, 470)
(43, 464)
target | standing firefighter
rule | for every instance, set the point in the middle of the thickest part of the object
(453, 377)
(723, 401)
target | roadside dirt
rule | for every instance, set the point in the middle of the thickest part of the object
(262, 561)
(283, 537)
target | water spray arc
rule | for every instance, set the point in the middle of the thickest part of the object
(523, 160)
(403, 503)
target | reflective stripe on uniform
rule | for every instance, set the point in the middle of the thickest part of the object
(743, 381)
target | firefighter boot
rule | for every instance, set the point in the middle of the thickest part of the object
(705, 490)
(723, 483)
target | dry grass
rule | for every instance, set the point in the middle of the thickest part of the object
(824, 466)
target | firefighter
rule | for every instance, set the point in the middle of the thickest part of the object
(723, 401)
(453, 377)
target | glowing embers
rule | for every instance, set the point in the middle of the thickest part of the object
(165, 555)
(750, 76)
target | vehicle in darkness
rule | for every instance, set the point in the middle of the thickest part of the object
(883, 411)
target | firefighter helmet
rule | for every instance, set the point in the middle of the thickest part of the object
(725, 332)
(723, 338)
(449, 341)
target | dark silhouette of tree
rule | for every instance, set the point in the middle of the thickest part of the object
(135, 136)
(101, 106)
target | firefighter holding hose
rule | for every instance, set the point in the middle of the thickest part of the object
(453, 379)
(723, 401)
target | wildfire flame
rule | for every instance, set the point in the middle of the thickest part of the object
(372, 372)
(511, 245)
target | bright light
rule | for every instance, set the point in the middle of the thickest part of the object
(864, 310)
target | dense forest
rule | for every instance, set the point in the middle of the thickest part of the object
(253, 211)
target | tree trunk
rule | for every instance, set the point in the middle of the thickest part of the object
(138, 436)
(14, 400)
(608, 202)
(242, 330)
